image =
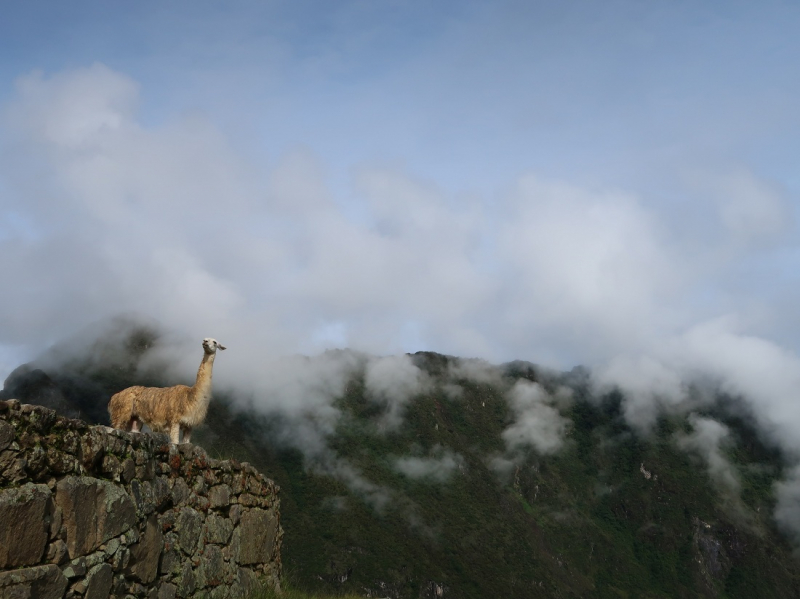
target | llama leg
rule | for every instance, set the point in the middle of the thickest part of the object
(175, 433)
(187, 433)
(135, 425)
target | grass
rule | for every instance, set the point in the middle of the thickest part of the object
(290, 593)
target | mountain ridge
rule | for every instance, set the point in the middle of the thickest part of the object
(601, 510)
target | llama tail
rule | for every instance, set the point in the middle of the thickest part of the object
(120, 408)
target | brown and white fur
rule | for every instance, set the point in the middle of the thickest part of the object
(167, 409)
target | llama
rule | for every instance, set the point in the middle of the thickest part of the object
(167, 409)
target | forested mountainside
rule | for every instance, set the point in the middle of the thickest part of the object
(507, 481)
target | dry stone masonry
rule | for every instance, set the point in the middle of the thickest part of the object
(87, 512)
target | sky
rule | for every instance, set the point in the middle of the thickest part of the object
(561, 182)
(608, 184)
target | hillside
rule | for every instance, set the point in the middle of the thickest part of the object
(437, 501)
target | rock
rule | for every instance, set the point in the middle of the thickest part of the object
(145, 554)
(170, 561)
(94, 512)
(180, 491)
(188, 526)
(186, 583)
(143, 496)
(119, 586)
(40, 418)
(128, 470)
(170, 523)
(160, 492)
(221, 592)
(146, 471)
(259, 529)
(13, 467)
(167, 591)
(231, 550)
(112, 546)
(77, 567)
(40, 582)
(7, 434)
(23, 534)
(92, 449)
(248, 581)
(112, 467)
(98, 582)
(219, 496)
(57, 552)
(79, 587)
(56, 520)
(121, 559)
(60, 462)
(218, 529)
(213, 566)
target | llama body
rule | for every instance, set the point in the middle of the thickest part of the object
(167, 409)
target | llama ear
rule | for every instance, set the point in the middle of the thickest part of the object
(221, 346)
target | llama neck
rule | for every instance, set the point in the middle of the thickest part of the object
(202, 386)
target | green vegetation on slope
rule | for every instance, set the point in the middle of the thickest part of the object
(611, 514)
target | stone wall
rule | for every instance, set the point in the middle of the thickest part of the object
(89, 512)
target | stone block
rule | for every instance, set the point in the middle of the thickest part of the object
(39, 417)
(98, 582)
(121, 558)
(218, 529)
(40, 582)
(248, 581)
(57, 552)
(94, 511)
(76, 567)
(188, 525)
(111, 467)
(128, 470)
(142, 493)
(231, 550)
(7, 434)
(92, 450)
(259, 529)
(186, 582)
(213, 566)
(145, 554)
(219, 496)
(161, 492)
(180, 491)
(23, 534)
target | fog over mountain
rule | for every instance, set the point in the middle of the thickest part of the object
(637, 215)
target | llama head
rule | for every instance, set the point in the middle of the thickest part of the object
(210, 346)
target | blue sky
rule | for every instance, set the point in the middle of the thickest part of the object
(577, 90)
(557, 181)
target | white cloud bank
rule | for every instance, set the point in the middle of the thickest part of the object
(438, 467)
(538, 423)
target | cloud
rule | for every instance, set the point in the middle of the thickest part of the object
(589, 266)
(787, 508)
(438, 468)
(750, 209)
(475, 370)
(393, 381)
(650, 387)
(537, 423)
(709, 440)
